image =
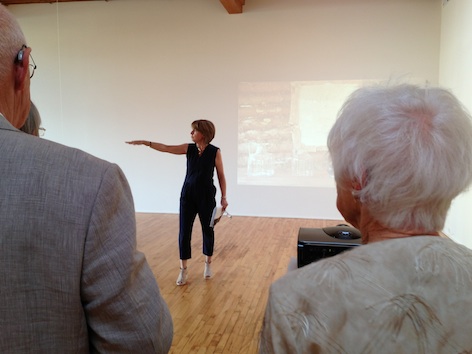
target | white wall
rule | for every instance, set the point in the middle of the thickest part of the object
(456, 74)
(129, 69)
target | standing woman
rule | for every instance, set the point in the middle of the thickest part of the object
(198, 192)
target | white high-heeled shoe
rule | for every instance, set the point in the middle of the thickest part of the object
(207, 273)
(182, 278)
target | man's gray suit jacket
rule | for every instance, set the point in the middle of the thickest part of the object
(71, 279)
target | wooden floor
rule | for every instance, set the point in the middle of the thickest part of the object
(223, 314)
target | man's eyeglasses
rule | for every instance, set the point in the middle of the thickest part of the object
(19, 59)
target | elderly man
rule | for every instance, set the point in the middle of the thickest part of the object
(71, 279)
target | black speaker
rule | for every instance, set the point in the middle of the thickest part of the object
(315, 244)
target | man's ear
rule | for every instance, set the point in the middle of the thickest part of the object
(22, 70)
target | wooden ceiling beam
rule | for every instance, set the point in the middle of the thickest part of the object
(233, 6)
(20, 2)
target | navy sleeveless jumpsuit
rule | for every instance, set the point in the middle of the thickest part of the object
(198, 197)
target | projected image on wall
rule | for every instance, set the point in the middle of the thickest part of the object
(282, 131)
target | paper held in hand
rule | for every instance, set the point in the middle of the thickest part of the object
(216, 216)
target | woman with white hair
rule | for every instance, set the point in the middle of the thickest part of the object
(400, 155)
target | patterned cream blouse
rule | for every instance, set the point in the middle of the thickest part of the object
(410, 295)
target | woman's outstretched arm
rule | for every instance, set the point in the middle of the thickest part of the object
(173, 149)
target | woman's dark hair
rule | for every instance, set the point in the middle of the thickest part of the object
(205, 127)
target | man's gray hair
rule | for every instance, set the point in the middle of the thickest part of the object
(11, 40)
